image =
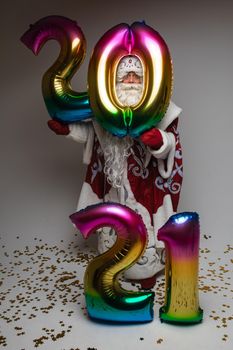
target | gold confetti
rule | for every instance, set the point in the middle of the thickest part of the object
(35, 280)
(159, 341)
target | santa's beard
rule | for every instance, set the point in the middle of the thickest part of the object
(116, 151)
(129, 94)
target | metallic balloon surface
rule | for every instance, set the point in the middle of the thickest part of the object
(144, 43)
(105, 298)
(62, 102)
(181, 235)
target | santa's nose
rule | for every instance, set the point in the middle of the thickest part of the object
(131, 77)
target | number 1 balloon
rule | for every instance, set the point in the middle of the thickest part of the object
(181, 236)
(137, 41)
(105, 298)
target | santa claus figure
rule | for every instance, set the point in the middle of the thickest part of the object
(144, 174)
(129, 87)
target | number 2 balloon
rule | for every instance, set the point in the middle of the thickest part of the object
(137, 42)
(105, 298)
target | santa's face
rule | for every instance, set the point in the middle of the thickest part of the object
(130, 89)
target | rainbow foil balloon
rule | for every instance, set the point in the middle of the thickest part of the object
(61, 101)
(140, 43)
(105, 298)
(181, 236)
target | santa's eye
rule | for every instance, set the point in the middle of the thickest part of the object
(129, 81)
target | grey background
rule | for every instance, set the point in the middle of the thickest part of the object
(41, 173)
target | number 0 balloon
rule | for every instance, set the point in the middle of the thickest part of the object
(144, 43)
(105, 298)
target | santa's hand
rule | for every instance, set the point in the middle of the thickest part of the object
(58, 127)
(152, 138)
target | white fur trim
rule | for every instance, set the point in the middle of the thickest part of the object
(165, 153)
(170, 162)
(83, 133)
(87, 197)
(78, 132)
(172, 113)
(87, 152)
(160, 218)
(100, 132)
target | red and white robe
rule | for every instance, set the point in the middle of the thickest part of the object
(151, 184)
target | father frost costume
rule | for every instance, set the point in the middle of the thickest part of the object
(144, 174)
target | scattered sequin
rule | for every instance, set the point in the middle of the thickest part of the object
(43, 279)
